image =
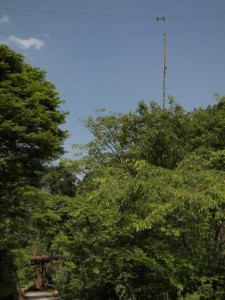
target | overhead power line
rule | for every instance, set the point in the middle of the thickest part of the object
(52, 11)
(74, 13)
(198, 14)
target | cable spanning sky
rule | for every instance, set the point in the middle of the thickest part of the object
(109, 53)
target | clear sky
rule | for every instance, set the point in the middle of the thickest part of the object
(109, 53)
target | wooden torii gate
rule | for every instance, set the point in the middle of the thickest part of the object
(42, 265)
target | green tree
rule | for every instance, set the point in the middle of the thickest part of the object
(148, 219)
(31, 138)
(154, 235)
(208, 126)
(62, 179)
(30, 119)
(159, 136)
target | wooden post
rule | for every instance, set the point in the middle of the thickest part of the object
(38, 276)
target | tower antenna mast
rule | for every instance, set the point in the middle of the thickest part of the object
(164, 70)
(162, 18)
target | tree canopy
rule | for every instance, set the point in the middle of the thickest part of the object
(31, 138)
(30, 133)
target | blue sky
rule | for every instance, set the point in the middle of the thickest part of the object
(109, 53)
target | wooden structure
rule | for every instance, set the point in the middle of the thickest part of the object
(43, 268)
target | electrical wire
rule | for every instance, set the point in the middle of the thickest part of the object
(74, 13)
(112, 15)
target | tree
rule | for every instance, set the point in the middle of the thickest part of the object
(154, 235)
(30, 140)
(30, 133)
(208, 126)
(149, 215)
(159, 136)
(30, 119)
(62, 178)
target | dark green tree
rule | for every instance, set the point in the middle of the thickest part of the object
(30, 140)
(62, 179)
(30, 133)
(30, 119)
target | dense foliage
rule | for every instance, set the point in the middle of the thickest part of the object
(30, 139)
(147, 221)
(140, 216)
(148, 218)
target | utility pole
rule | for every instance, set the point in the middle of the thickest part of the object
(161, 18)
(164, 70)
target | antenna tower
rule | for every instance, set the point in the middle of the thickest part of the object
(164, 70)
(161, 18)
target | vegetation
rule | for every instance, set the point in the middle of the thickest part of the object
(30, 139)
(139, 216)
